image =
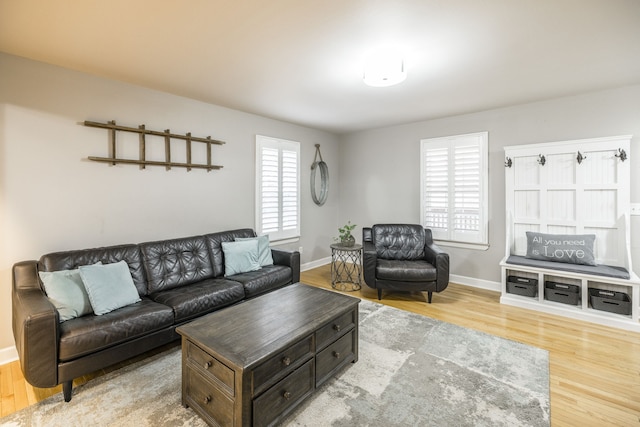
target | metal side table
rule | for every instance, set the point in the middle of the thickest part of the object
(346, 267)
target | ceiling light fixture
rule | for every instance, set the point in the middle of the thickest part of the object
(384, 67)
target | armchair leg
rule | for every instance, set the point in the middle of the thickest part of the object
(67, 386)
(430, 295)
(379, 294)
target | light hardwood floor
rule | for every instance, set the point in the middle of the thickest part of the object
(594, 370)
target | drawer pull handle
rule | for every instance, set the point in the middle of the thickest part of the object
(286, 395)
(207, 400)
(336, 355)
(207, 365)
(286, 361)
(337, 327)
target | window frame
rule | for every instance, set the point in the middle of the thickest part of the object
(282, 234)
(474, 239)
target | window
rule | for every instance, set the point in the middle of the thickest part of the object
(277, 188)
(453, 191)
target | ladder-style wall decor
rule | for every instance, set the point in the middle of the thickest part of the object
(167, 135)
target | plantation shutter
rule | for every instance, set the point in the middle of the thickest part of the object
(278, 188)
(453, 188)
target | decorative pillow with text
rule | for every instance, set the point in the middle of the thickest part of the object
(568, 248)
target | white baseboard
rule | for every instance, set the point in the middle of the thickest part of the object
(313, 264)
(476, 283)
(8, 355)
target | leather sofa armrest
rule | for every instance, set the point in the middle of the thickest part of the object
(290, 259)
(439, 259)
(369, 258)
(35, 326)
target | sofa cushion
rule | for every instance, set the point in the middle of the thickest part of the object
(177, 262)
(67, 293)
(214, 244)
(264, 280)
(89, 334)
(70, 260)
(109, 286)
(399, 241)
(405, 270)
(240, 256)
(200, 298)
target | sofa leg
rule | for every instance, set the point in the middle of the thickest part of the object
(379, 294)
(67, 386)
(429, 297)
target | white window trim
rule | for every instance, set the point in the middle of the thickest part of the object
(281, 235)
(446, 237)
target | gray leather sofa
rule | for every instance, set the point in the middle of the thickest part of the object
(177, 280)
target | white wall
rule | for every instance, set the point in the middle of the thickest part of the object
(379, 178)
(52, 198)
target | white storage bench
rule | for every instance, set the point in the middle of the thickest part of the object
(604, 308)
(571, 188)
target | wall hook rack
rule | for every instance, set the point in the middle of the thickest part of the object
(142, 161)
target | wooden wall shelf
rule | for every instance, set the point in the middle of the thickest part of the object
(112, 127)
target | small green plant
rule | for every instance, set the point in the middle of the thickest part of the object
(345, 236)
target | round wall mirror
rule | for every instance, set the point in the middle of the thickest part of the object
(319, 183)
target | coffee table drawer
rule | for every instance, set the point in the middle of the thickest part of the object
(335, 328)
(208, 400)
(281, 364)
(334, 356)
(211, 367)
(283, 396)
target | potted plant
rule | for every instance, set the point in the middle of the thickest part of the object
(345, 237)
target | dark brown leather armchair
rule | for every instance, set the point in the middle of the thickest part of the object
(403, 257)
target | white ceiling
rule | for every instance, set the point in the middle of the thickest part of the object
(301, 60)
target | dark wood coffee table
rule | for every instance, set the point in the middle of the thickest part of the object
(253, 363)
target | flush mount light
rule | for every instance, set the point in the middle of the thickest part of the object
(384, 67)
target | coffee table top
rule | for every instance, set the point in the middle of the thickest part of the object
(244, 334)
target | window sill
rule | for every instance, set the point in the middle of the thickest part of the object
(463, 245)
(284, 241)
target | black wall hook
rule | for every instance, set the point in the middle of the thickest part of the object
(541, 159)
(580, 157)
(622, 155)
(508, 162)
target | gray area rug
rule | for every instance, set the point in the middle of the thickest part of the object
(412, 371)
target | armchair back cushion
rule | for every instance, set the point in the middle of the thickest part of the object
(399, 241)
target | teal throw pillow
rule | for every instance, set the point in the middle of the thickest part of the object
(109, 286)
(264, 251)
(240, 257)
(66, 292)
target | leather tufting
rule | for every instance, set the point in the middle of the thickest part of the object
(399, 241)
(176, 262)
(71, 260)
(403, 257)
